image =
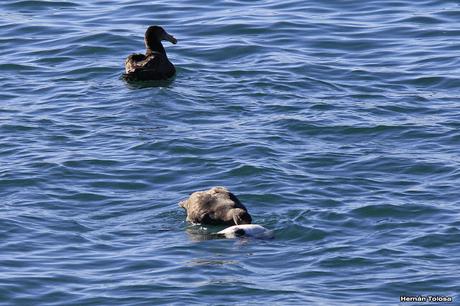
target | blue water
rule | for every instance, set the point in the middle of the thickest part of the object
(335, 122)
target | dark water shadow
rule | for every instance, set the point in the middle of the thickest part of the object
(202, 233)
(132, 83)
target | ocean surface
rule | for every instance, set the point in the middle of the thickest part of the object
(337, 124)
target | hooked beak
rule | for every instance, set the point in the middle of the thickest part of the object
(241, 218)
(170, 38)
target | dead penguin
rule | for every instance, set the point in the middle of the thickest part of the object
(247, 230)
(216, 206)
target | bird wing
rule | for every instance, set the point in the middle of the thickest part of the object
(140, 61)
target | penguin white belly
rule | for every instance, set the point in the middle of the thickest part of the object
(247, 230)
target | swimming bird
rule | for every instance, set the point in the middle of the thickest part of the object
(247, 230)
(154, 64)
(216, 206)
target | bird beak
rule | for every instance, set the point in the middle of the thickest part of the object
(170, 38)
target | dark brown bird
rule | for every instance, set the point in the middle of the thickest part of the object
(216, 206)
(154, 64)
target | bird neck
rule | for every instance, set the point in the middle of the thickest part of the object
(155, 46)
